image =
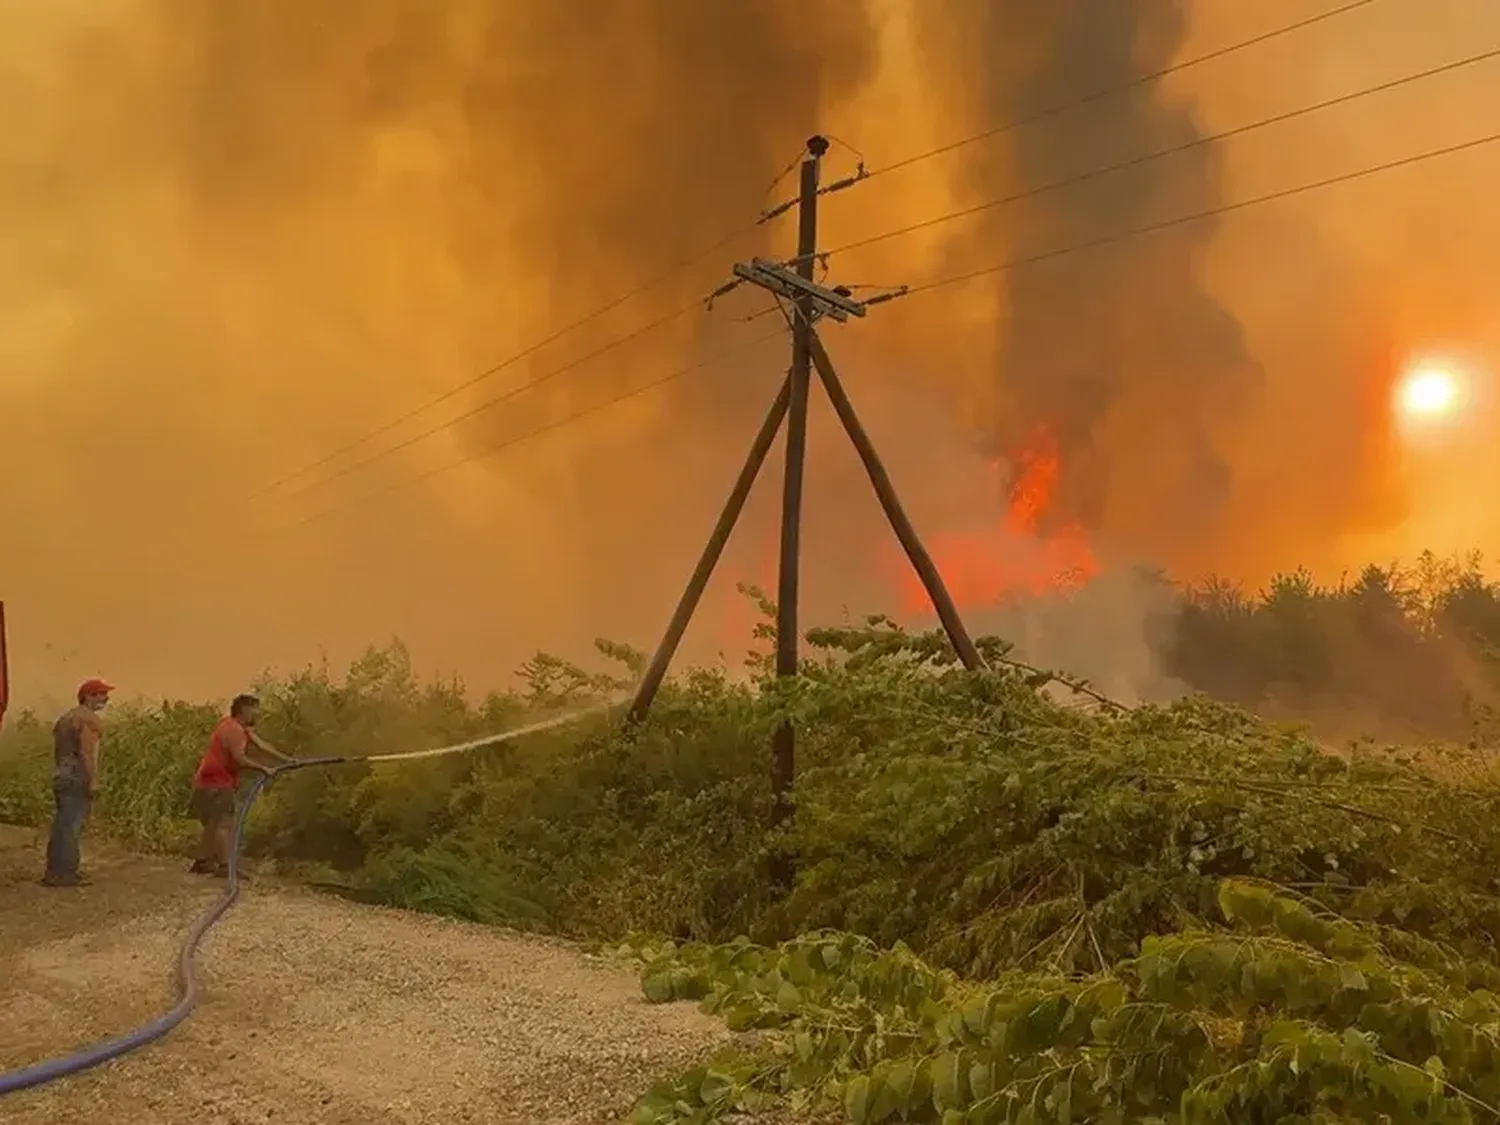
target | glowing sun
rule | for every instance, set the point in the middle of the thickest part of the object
(1428, 390)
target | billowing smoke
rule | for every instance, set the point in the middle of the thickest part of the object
(565, 151)
(242, 234)
(247, 233)
(1120, 351)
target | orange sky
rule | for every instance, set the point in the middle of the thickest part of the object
(238, 239)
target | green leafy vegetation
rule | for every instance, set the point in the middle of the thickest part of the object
(1014, 901)
(1278, 1010)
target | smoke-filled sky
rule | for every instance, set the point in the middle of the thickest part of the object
(241, 234)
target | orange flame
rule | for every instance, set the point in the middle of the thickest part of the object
(989, 565)
(998, 563)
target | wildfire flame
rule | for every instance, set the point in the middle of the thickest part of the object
(1016, 556)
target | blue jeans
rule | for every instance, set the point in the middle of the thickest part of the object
(73, 803)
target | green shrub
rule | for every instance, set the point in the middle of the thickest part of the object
(1272, 1011)
(1002, 838)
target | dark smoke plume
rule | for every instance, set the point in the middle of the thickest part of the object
(1119, 351)
(243, 232)
(591, 143)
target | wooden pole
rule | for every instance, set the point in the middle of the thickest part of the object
(885, 492)
(656, 671)
(783, 746)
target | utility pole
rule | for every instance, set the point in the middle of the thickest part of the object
(792, 282)
(783, 745)
(791, 400)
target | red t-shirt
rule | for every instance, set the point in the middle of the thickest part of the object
(218, 768)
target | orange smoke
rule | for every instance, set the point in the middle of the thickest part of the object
(1019, 555)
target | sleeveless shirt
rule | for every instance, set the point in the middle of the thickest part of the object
(218, 768)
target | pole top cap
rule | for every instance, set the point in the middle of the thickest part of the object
(817, 144)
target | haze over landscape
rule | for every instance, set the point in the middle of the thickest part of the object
(242, 236)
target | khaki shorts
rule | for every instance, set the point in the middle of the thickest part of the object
(212, 806)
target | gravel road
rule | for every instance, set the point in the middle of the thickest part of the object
(314, 1009)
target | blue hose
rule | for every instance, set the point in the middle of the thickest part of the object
(187, 980)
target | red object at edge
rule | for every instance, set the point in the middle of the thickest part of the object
(4, 669)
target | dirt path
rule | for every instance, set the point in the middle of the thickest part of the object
(314, 1009)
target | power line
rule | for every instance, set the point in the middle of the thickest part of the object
(1001, 267)
(1209, 213)
(862, 173)
(490, 403)
(784, 173)
(532, 349)
(489, 372)
(1016, 263)
(998, 268)
(1162, 154)
(561, 423)
(1134, 83)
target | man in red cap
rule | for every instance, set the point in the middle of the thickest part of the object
(75, 773)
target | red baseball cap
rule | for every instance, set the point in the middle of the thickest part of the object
(94, 687)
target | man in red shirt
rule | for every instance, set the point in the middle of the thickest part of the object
(218, 777)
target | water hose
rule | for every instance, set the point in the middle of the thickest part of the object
(50, 1070)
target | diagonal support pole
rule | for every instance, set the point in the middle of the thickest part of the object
(885, 492)
(656, 671)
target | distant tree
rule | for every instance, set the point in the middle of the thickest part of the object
(1414, 651)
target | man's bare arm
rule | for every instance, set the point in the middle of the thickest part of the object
(266, 748)
(238, 745)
